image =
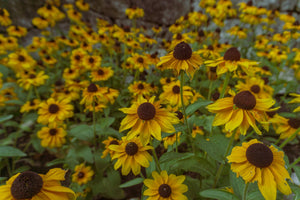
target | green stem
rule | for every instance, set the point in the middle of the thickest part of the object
(94, 125)
(155, 158)
(289, 138)
(210, 89)
(219, 172)
(245, 191)
(8, 167)
(176, 142)
(225, 85)
(294, 163)
(29, 94)
(183, 108)
(37, 93)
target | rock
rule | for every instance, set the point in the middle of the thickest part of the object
(164, 12)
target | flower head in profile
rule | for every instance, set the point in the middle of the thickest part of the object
(164, 186)
(109, 141)
(30, 185)
(181, 58)
(255, 161)
(286, 127)
(240, 111)
(131, 155)
(230, 62)
(83, 174)
(146, 118)
(295, 100)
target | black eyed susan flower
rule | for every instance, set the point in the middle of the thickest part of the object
(295, 100)
(92, 94)
(230, 62)
(16, 31)
(82, 5)
(30, 105)
(165, 187)
(139, 62)
(171, 139)
(54, 111)
(101, 74)
(32, 79)
(167, 80)
(131, 155)
(20, 60)
(91, 62)
(182, 58)
(286, 127)
(255, 161)
(83, 174)
(147, 118)
(240, 111)
(197, 130)
(52, 136)
(171, 94)
(40, 22)
(30, 185)
(138, 88)
(4, 17)
(108, 142)
(256, 86)
(133, 13)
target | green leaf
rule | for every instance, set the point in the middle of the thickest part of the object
(5, 118)
(85, 153)
(254, 195)
(8, 151)
(193, 185)
(195, 106)
(218, 194)
(297, 171)
(15, 101)
(132, 182)
(104, 123)
(55, 162)
(82, 132)
(174, 156)
(21, 169)
(237, 184)
(215, 147)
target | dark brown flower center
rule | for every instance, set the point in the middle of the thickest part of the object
(32, 103)
(1, 12)
(176, 89)
(232, 54)
(178, 36)
(26, 185)
(140, 86)
(210, 47)
(164, 190)
(21, 58)
(182, 51)
(131, 148)
(140, 60)
(32, 76)
(271, 114)
(259, 155)
(294, 123)
(179, 115)
(100, 72)
(115, 142)
(91, 60)
(255, 89)
(146, 111)
(77, 57)
(213, 69)
(92, 88)
(53, 131)
(53, 108)
(168, 80)
(244, 100)
(80, 175)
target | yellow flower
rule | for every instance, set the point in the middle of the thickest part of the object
(30, 105)
(165, 187)
(4, 17)
(230, 62)
(255, 161)
(131, 155)
(171, 139)
(101, 74)
(139, 62)
(295, 100)
(240, 111)
(54, 111)
(92, 94)
(16, 31)
(91, 62)
(171, 94)
(133, 13)
(286, 127)
(181, 58)
(82, 174)
(139, 88)
(30, 185)
(40, 22)
(107, 143)
(197, 130)
(32, 79)
(147, 118)
(20, 60)
(52, 136)
(82, 5)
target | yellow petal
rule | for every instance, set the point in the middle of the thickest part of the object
(268, 185)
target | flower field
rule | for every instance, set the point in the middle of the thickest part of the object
(207, 108)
